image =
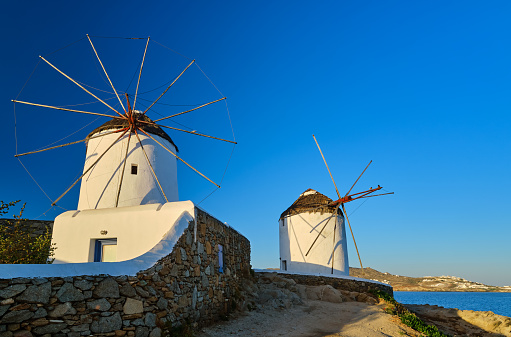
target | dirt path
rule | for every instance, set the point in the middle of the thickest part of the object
(275, 306)
(315, 318)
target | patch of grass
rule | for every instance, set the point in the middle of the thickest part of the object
(408, 318)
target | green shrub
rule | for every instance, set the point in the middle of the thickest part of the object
(18, 244)
(408, 318)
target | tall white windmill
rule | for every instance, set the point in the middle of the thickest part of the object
(312, 234)
(129, 190)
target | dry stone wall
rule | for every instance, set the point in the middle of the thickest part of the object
(36, 227)
(359, 286)
(185, 287)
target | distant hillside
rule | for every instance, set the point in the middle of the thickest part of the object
(426, 283)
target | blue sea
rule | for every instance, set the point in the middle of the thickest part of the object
(499, 303)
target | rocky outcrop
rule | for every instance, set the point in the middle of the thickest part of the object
(463, 322)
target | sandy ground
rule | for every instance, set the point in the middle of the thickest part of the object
(314, 318)
(275, 306)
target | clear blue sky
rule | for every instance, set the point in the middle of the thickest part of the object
(420, 87)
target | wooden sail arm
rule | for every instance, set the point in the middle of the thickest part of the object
(191, 132)
(123, 168)
(322, 156)
(57, 146)
(108, 77)
(171, 84)
(376, 195)
(352, 235)
(151, 166)
(140, 73)
(319, 234)
(175, 155)
(78, 84)
(90, 167)
(64, 109)
(187, 111)
(355, 196)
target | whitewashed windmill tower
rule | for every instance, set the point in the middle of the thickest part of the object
(129, 191)
(114, 182)
(312, 238)
(312, 234)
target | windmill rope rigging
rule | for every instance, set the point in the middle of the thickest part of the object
(69, 45)
(46, 194)
(124, 115)
(80, 129)
(172, 50)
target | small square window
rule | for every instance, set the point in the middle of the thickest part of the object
(134, 169)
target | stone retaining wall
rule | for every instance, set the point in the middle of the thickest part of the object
(185, 287)
(360, 286)
(36, 227)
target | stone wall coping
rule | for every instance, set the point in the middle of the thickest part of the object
(351, 278)
(129, 267)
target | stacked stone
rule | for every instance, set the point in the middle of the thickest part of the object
(185, 286)
(36, 227)
(358, 286)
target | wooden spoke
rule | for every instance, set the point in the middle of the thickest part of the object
(151, 166)
(102, 66)
(319, 234)
(55, 147)
(64, 109)
(353, 236)
(78, 84)
(122, 172)
(376, 195)
(90, 167)
(338, 194)
(359, 177)
(175, 155)
(333, 249)
(203, 105)
(191, 132)
(140, 73)
(171, 84)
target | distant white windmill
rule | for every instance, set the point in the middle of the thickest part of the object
(312, 231)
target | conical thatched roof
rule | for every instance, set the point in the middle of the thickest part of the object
(310, 201)
(117, 123)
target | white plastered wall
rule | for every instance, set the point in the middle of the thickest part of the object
(298, 232)
(99, 187)
(137, 229)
